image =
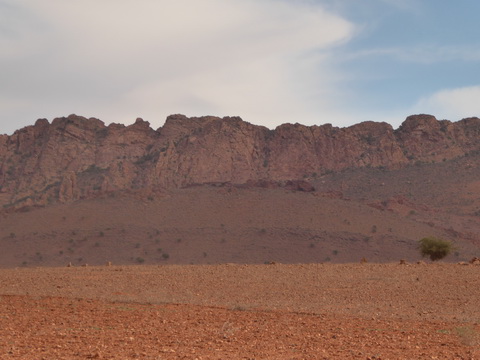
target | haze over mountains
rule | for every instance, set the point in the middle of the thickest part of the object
(207, 189)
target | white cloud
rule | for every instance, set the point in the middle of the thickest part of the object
(421, 54)
(119, 59)
(451, 104)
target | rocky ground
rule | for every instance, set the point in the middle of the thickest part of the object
(314, 311)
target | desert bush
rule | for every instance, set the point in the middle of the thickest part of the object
(434, 248)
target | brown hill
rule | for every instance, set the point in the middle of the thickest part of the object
(213, 190)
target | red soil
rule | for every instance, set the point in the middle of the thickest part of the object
(367, 311)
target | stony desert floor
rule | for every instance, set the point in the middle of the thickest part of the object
(311, 311)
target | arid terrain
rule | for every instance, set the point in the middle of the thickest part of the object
(277, 311)
(227, 240)
(212, 191)
(371, 213)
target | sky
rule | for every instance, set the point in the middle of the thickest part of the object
(268, 61)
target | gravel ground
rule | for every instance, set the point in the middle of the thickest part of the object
(312, 311)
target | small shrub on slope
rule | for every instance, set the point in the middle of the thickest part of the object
(434, 248)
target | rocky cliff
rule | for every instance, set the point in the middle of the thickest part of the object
(74, 157)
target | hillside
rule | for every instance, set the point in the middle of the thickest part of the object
(210, 190)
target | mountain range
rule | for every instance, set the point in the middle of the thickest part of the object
(210, 190)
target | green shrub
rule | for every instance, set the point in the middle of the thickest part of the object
(434, 248)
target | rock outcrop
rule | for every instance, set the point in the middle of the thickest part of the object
(74, 157)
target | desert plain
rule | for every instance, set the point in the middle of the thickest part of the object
(235, 311)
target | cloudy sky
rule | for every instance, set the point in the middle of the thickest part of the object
(268, 61)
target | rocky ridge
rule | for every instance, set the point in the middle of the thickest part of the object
(75, 158)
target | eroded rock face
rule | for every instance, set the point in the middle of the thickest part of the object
(74, 157)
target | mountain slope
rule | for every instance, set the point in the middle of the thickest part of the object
(209, 224)
(210, 190)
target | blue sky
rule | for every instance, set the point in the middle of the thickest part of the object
(268, 61)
